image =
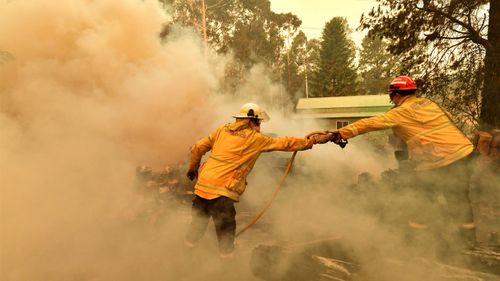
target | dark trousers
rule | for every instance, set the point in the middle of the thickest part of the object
(442, 202)
(223, 213)
(445, 193)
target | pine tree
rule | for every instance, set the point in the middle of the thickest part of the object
(336, 75)
(376, 66)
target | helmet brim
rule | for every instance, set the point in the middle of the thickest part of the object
(263, 118)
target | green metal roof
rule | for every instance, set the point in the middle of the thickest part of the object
(345, 101)
(343, 107)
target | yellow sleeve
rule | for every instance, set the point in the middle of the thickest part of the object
(200, 148)
(286, 144)
(385, 121)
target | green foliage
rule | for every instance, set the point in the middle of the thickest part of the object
(294, 67)
(246, 29)
(376, 66)
(451, 47)
(313, 55)
(336, 74)
(409, 22)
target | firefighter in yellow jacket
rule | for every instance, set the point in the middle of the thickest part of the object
(438, 151)
(222, 178)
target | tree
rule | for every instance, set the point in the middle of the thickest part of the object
(376, 65)
(460, 37)
(313, 49)
(336, 75)
(294, 63)
(246, 29)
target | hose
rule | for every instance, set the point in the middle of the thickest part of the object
(342, 143)
(282, 180)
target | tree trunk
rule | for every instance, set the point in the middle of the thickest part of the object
(490, 107)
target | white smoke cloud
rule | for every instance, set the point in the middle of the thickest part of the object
(90, 93)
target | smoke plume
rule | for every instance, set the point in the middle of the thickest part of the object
(88, 91)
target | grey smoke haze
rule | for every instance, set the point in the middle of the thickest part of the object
(90, 94)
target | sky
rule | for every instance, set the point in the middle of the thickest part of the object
(315, 13)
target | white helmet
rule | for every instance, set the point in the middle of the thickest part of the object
(252, 111)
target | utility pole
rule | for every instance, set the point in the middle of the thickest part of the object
(288, 75)
(305, 70)
(204, 24)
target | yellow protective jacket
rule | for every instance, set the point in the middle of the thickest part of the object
(433, 140)
(235, 148)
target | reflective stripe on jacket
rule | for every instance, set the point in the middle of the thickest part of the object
(433, 140)
(235, 149)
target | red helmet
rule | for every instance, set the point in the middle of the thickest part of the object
(402, 83)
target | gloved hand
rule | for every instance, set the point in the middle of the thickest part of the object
(192, 173)
(320, 138)
(337, 138)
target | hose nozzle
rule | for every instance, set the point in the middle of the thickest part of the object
(342, 143)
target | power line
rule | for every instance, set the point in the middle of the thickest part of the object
(219, 4)
(309, 27)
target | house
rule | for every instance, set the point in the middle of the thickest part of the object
(337, 112)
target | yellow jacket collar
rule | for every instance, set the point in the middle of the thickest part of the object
(404, 99)
(239, 124)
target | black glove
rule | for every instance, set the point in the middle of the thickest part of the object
(337, 138)
(192, 174)
(334, 136)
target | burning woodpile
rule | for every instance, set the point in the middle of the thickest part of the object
(322, 260)
(332, 260)
(338, 259)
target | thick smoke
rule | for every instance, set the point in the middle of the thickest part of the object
(88, 92)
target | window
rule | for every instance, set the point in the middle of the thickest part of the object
(341, 124)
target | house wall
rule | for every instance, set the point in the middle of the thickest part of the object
(377, 138)
(331, 123)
